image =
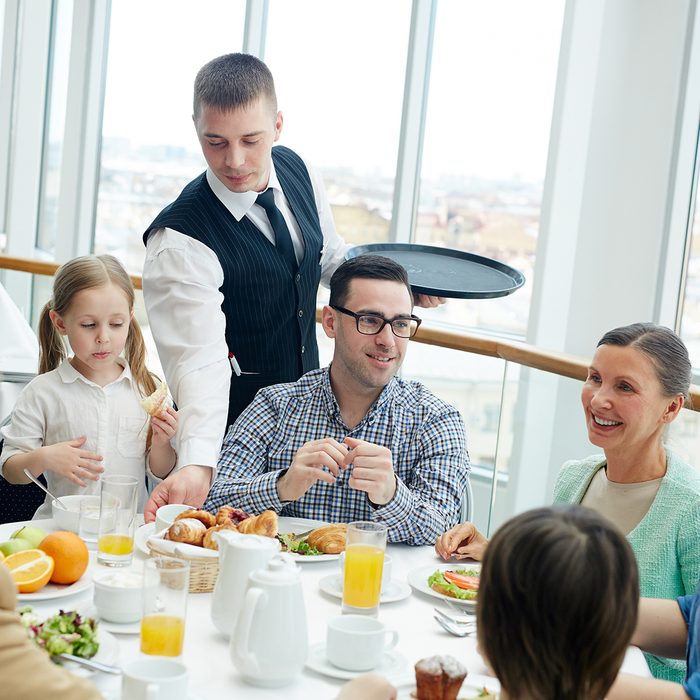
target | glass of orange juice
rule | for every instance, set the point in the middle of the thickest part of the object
(364, 559)
(115, 537)
(166, 581)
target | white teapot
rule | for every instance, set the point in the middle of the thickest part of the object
(239, 555)
(270, 642)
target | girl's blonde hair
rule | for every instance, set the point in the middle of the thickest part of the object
(91, 272)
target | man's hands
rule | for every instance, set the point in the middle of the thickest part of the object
(190, 486)
(463, 541)
(307, 467)
(70, 462)
(373, 469)
(164, 427)
(426, 301)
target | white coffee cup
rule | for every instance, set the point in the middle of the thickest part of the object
(118, 597)
(165, 515)
(386, 571)
(357, 642)
(154, 679)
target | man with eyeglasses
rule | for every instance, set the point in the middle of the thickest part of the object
(352, 441)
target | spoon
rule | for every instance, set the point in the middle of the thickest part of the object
(457, 619)
(29, 476)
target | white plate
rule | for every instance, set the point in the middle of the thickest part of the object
(117, 695)
(395, 590)
(470, 689)
(108, 653)
(286, 525)
(141, 535)
(418, 579)
(56, 590)
(392, 664)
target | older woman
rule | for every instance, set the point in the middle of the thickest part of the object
(636, 386)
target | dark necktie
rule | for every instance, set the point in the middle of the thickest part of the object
(283, 240)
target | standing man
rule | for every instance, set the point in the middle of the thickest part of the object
(353, 441)
(232, 268)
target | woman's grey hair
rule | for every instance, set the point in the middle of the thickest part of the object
(663, 347)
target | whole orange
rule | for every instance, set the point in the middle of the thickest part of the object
(70, 555)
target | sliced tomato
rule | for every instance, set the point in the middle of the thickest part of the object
(467, 583)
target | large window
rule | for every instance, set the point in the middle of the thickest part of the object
(489, 111)
(339, 80)
(149, 146)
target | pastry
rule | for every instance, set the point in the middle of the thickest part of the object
(206, 518)
(209, 542)
(439, 678)
(187, 530)
(263, 524)
(329, 539)
(231, 515)
(154, 403)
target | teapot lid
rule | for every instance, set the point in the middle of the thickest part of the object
(280, 569)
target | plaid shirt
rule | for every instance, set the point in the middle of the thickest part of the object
(425, 435)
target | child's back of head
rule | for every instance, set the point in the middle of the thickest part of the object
(558, 602)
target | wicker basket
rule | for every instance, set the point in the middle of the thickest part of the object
(203, 571)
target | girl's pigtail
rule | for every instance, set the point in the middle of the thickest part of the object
(135, 354)
(52, 350)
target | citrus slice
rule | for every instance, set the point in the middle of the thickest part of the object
(30, 569)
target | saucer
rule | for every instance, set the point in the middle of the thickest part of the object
(121, 627)
(395, 590)
(392, 664)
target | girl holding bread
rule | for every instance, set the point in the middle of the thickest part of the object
(88, 413)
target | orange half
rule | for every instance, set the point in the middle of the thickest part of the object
(30, 569)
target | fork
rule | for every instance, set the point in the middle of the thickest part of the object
(456, 619)
(461, 610)
(456, 630)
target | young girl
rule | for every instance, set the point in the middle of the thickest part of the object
(81, 416)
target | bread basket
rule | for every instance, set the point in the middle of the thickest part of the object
(203, 570)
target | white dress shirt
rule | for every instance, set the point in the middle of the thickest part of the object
(181, 281)
(63, 405)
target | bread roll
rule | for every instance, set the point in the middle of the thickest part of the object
(187, 530)
(329, 539)
(154, 403)
(206, 518)
(263, 524)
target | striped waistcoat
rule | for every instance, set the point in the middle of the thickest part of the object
(270, 312)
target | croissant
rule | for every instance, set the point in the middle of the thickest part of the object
(329, 539)
(154, 403)
(206, 518)
(263, 524)
(230, 514)
(209, 542)
(187, 530)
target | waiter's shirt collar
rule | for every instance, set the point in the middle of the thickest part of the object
(239, 203)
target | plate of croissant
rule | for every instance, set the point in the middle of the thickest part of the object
(193, 531)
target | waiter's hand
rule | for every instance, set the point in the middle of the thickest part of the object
(425, 301)
(372, 470)
(190, 485)
(308, 467)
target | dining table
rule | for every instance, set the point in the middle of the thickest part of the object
(206, 654)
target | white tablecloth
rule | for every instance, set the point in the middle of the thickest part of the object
(206, 652)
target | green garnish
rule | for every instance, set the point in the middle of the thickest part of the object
(289, 544)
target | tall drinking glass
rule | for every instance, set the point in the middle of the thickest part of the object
(115, 540)
(166, 582)
(364, 559)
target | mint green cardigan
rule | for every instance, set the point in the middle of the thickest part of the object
(666, 542)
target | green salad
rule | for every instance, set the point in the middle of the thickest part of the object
(458, 583)
(65, 633)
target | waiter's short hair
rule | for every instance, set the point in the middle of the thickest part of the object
(373, 267)
(232, 81)
(558, 599)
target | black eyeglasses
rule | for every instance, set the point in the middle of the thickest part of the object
(372, 324)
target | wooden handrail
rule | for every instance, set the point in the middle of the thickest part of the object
(562, 364)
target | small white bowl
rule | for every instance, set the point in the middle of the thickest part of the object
(118, 596)
(68, 519)
(165, 515)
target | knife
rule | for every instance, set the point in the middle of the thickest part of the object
(88, 663)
